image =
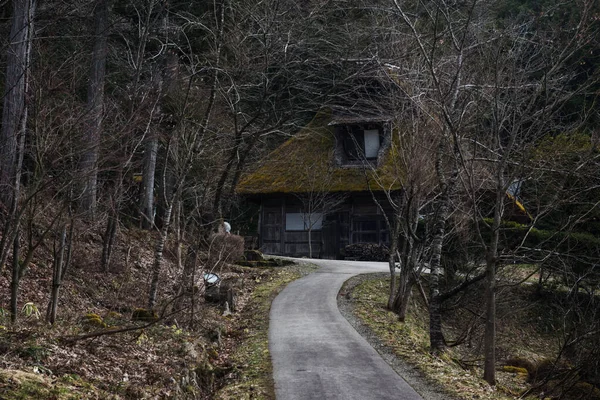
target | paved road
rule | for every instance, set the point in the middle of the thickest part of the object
(316, 353)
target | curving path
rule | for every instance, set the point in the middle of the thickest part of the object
(316, 353)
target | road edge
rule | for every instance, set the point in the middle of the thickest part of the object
(417, 380)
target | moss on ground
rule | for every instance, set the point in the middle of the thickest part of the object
(20, 385)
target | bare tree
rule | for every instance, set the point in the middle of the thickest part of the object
(14, 119)
(483, 87)
(517, 108)
(413, 149)
(12, 134)
(440, 79)
(193, 145)
(318, 201)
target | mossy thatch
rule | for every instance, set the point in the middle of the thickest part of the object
(306, 163)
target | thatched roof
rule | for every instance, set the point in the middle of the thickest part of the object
(306, 163)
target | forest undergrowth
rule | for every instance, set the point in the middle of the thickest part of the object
(98, 348)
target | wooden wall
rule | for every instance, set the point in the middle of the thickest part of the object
(359, 218)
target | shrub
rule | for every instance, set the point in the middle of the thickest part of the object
(34, 352)
(519, 362)
(583, 390)
(547, 369)
(223, 248)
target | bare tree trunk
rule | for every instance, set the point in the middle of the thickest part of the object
(489, 371)
(109, 239)
(407, 279)
(395, 232)
(147, 202)
(404, 292)
(167, 85)
(186, 283)
(447, 186)
(69, 247)
(217, 209)
(12, 133)
(401, 306)
(241, 163)
(392, 267)
(436, 337)
(112, 223)
(59, 258)
(88, 164)
(158, 256)
(16, 277)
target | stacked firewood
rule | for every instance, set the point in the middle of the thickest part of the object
(366, 252)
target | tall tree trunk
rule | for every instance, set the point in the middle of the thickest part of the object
(14, 113)
(16, 280)
(88, 164)
(12, 132)
(489, 370)
(113, 222)
(158, 256)
(405, 283)
(407, 280)
(217, 209)
(395, 233)
(447, 186)
(392, 267)
(147, 201)
(167, 85)
(436, 336)
(242, 163)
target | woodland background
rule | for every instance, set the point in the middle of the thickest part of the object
(129, 122)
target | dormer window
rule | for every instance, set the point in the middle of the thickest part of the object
(359, 142)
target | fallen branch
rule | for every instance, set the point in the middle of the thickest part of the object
(115, 330)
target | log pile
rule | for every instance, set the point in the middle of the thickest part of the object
(366, 252)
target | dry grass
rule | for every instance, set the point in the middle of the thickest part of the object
(458, 370)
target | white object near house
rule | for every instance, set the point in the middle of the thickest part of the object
(227, 227)
(211, 279)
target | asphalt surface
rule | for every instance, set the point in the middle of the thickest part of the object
(316, 353)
